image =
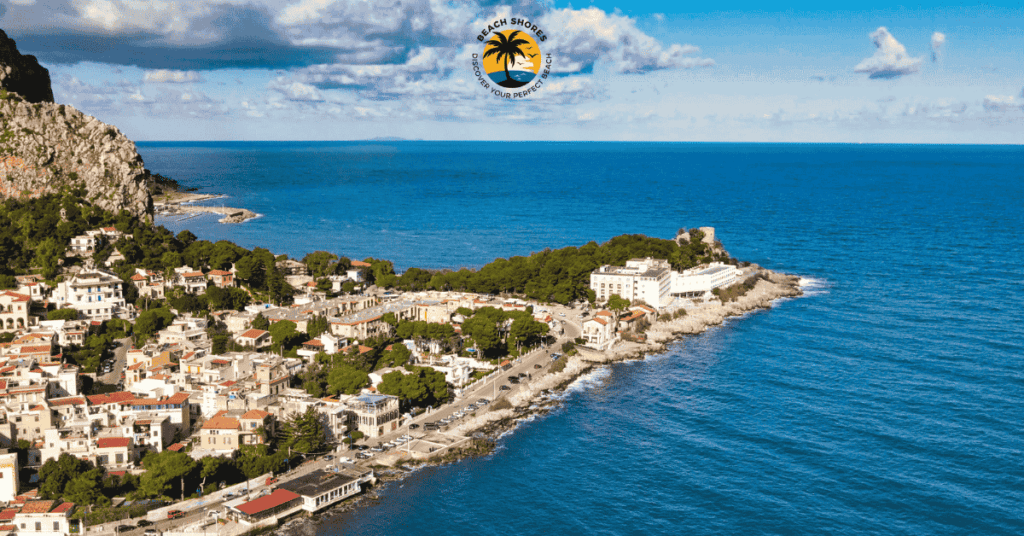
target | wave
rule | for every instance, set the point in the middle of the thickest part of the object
(812, 286)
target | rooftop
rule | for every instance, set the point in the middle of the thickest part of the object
(275, 499)
(316, 483)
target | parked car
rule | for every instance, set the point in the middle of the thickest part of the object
(328, 457)
(175, 514)
(522, 375)
(413, 426)
(483, 401)
(538, 366)
(504, 388)
(144, 523)
(150, 532)
(124, 528)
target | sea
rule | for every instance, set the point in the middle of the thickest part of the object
(888, 400)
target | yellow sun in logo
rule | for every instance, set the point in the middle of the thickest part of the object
(511, 58)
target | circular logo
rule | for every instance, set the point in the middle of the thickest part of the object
(511, 58)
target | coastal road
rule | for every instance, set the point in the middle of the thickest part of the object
(491, 387)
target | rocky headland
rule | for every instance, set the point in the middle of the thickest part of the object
(47, 147)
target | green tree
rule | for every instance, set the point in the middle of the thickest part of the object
(319, 263)
(617, 303)
(163, 469)
(256, 460)
(304, 432)
(55, 475)
(260, 322)
(87, 488)
(210, 466)
(62, 314)
(346, 379)
(317, 326)
(150, 322)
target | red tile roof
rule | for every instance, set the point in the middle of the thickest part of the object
(219, 272)
(64, 508)
(255, 414)
(275, 499)
(360, 264)
(253, 333)
(37, 507)
(220, 361)
(111, 398)
(314, 342)
(221, 423)
(192, 274)
(8, 513)
(112, 442)
(15, 297)
(176, 447)
(138, 277)
(69, 401)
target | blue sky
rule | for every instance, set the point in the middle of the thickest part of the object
(356, 69)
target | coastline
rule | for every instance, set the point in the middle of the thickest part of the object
(543, 395)
(181, 203)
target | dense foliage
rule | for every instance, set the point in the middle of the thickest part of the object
(561, 275)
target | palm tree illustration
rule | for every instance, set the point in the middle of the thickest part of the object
(506, 49)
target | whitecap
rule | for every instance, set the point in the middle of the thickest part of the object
(813, 286)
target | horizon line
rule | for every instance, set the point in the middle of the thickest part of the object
(401, 140)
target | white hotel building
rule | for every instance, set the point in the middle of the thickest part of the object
(648, 280)
(95, 294)
(698, 282)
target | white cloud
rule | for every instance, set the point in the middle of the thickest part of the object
(166, 76)
(296, 91)
(890, 60)
(938, 43)
(581, 38)
(998, 103)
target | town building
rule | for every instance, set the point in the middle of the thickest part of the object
(95, 294)
(699, 282)
(47, 518)
(14, 309)
(254, 338)
(648, 280)
(600, 330)
(375, 415)
(321, 489)
(9, 480)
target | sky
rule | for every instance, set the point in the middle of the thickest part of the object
(851, 72)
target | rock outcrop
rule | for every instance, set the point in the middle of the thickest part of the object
(46, 147)
(22, 74)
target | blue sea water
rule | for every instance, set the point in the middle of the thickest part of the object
(519, 76)
(888, 400)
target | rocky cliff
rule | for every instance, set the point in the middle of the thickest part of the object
(22, 74)
(47, 147)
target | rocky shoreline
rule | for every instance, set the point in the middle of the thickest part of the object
(540, 396)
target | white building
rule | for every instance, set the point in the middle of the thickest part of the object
(13, 311)
(699, 282)
(599, 331)
(8, 476)
(95, 294)
(186, 329)
(648, 280)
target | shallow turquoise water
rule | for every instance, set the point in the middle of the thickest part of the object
(886, 401)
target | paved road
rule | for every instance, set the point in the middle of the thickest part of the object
(120, 360)
(491, 387)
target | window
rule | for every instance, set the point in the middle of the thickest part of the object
(120, 458)
(56, 526)
(39, 526)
